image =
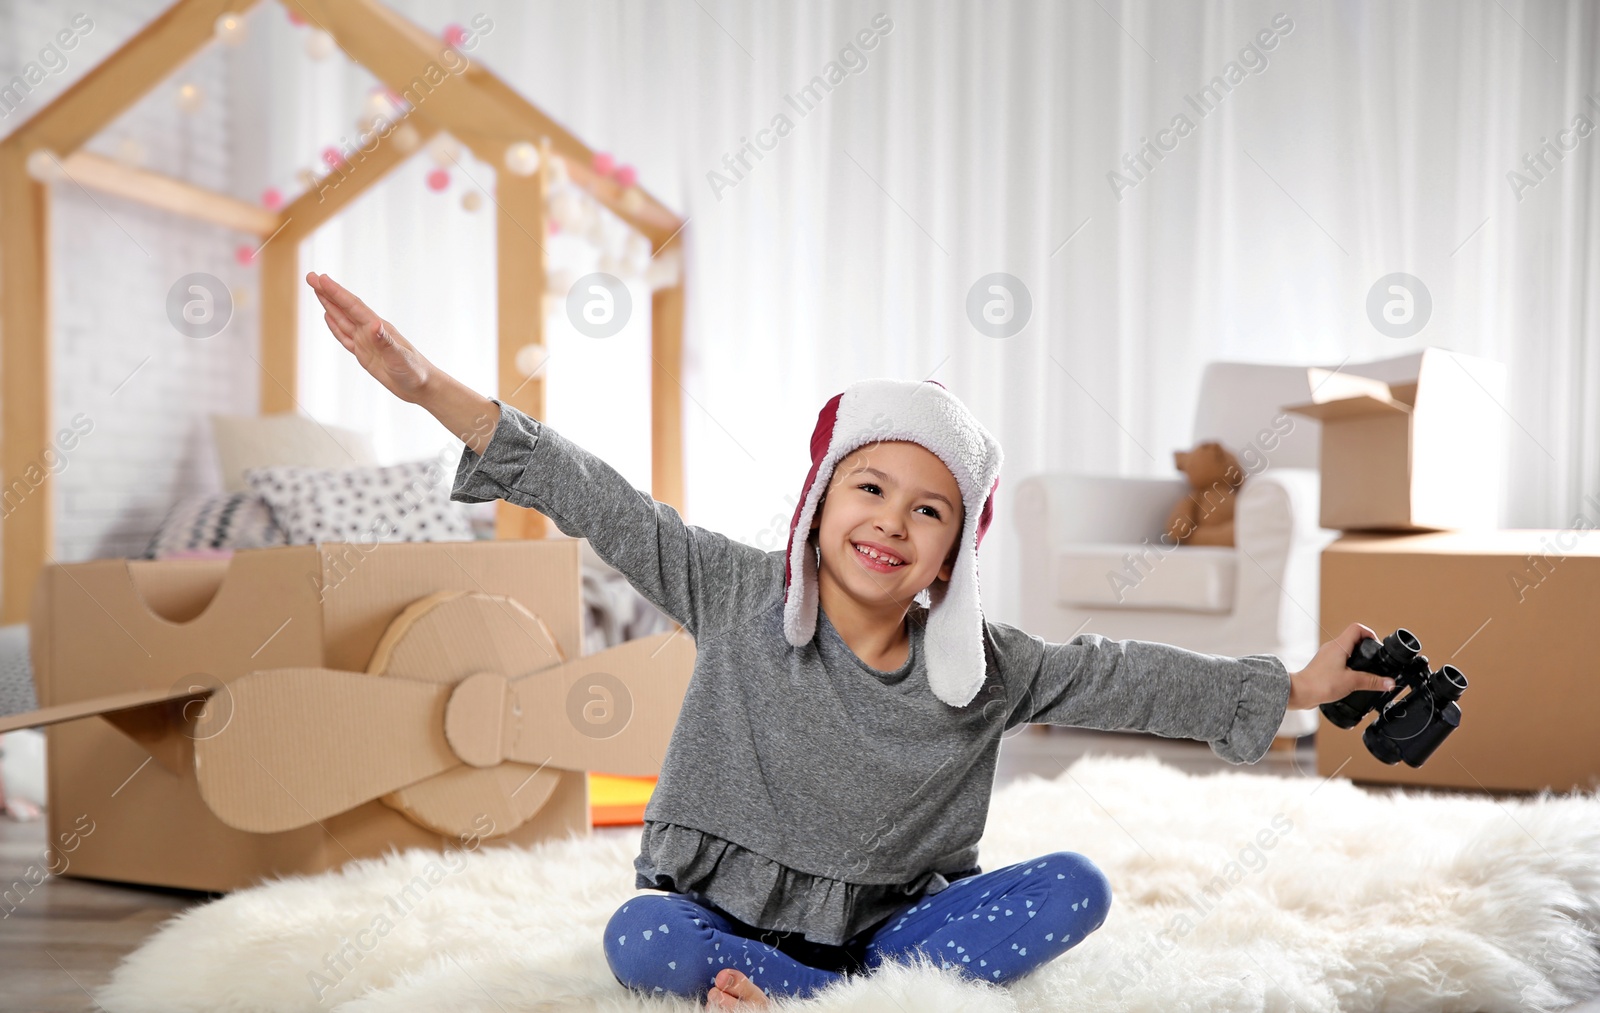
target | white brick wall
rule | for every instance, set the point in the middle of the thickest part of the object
(111, 267)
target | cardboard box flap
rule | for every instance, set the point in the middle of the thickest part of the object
(1406, 392)
(1336, 395)
(163, 729)
(1332, 385)
(1351, 407)
(158, 720)
(103, 706)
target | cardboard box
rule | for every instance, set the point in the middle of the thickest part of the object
(1421, 452)
(216, 722)
(1512, 610)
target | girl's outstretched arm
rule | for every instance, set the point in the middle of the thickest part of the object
(700, 578)
(1234, 704)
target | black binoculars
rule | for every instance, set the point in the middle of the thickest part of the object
(1411, 728)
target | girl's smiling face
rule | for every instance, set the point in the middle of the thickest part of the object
(898, 499)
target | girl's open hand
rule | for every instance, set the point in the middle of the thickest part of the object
(381, 350)
(1328, 677)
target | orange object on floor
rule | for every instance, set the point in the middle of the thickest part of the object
(616, 801)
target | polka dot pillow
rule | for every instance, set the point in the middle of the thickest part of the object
(407, 502)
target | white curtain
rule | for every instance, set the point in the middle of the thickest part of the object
(977, 138)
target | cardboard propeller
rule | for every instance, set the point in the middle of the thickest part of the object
(451, 717)
(467, 709)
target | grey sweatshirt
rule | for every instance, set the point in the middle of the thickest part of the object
(802, 790)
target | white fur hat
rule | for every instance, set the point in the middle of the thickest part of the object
(925, 413)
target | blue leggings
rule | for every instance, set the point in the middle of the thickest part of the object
(996, 926)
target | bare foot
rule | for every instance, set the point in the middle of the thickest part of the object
(731, 987)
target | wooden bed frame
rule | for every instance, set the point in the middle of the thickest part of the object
(474, 106)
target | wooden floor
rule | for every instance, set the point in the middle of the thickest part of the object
(68, 934)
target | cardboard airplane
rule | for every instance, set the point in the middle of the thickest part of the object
(408, 730)
(468, 711)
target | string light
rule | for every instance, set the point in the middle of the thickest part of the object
(229, 30)
(320, 45)
(44, 166)
(190, 97)
(522, 158)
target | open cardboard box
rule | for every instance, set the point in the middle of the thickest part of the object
(1421, 453)
(294, 708)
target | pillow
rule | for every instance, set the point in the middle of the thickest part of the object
(211, 521)
(407, 502)
(263, 441)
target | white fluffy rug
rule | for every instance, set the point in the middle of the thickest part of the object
(1324, 896)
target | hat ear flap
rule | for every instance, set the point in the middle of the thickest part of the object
(954, 636)
(801, 593)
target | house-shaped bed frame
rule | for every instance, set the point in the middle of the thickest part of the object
(471, 104)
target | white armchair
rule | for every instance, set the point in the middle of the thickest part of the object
(1096, 561)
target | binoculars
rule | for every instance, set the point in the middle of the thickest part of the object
(1408, 728)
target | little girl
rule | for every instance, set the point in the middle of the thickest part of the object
(828, 779)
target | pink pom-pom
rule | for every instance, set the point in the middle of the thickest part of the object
(454, 36)
(438, 179)
(295, 17)
(332, 156)
(603, 163)
(244, 254)
(272, 198)
(555, 226)
(626, 176)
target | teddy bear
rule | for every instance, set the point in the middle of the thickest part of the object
(1205, 516)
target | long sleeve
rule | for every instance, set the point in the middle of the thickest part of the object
(1234, 704)
(696, 576)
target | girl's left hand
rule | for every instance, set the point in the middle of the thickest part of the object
(1328, 677)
